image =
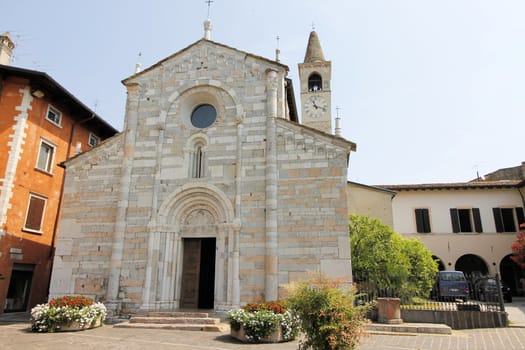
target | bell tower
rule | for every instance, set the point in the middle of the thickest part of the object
(315, 74)
(6, 48)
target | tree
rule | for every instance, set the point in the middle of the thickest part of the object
(388, 263)
(518, 248)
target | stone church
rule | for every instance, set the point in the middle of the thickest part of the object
(214, 195)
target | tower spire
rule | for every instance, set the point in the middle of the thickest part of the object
(314, 52)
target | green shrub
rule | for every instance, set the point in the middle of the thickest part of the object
(328, 317)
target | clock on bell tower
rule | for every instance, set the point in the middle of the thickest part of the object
(314, 75)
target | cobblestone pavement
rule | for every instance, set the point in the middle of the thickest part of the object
(17, 336)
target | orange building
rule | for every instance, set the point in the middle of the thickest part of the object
(41, 125)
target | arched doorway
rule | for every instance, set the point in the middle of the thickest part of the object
(441, 266)
(471, 264)
(511, 274)
(188, 261)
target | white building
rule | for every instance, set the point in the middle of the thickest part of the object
(469, 226)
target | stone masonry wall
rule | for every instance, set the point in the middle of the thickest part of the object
(81, 264)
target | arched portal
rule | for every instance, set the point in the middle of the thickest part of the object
(189, 251)
(471, 264)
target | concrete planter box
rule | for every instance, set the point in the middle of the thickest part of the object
(464, 319)
(274, 337)
(75, 326)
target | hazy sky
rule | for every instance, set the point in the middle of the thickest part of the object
(430, 90)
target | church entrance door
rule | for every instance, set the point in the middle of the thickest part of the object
(198, 273)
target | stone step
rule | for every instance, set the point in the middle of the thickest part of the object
(174, 320)
(219, 327)
(178, 314)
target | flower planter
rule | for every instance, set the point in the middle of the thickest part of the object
(263, 323)
(274, 337)
(69, 313)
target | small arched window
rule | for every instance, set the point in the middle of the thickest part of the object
(315, 82)
(198, 162)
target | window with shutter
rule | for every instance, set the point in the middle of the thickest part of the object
(464, 220)
(35, 213)
(422, 220)
(46, 155)
(508, 219)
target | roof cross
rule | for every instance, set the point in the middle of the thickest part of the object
(209, 4)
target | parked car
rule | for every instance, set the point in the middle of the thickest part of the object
(450, 285)
(486, 289)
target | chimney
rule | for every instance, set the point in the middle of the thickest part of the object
(6, 48)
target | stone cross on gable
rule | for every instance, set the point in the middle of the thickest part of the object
(209, 4)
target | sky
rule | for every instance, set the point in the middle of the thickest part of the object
(430, 91)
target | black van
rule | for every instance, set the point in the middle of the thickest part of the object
(450, 285)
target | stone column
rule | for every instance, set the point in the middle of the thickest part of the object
(148, 295)
(236, 286)
(271, 260)
(127, 164)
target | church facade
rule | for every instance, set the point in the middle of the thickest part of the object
(214, 195)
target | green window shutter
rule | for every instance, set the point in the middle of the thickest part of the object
(455, 220)
(419, 221)
(520, 216)
(498, 219)
(477, 220)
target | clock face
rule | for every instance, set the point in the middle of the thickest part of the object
(315, 106)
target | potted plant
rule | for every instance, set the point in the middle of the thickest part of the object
(67, 313)
(267, 322)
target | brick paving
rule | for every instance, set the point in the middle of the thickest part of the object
(16, 336)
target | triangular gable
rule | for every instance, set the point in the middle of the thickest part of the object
(195, 44)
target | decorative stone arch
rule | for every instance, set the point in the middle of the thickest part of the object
(196, 148)
(202, 91)
(194, 210)
(179, 204)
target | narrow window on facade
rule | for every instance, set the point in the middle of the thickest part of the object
(464, 220)
(54, 115)
(35, 213)
(93, 140)
(422, 220)
(46, 155)
(197, 167)
(315, 82)
(508, 219)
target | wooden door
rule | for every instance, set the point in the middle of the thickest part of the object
(190, 273)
